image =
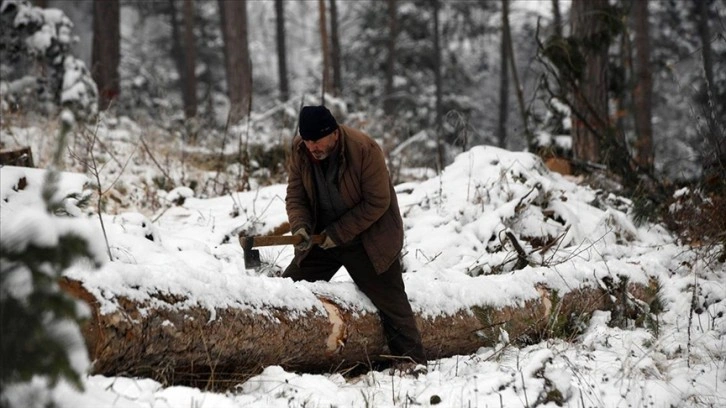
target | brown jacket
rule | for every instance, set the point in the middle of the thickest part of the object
(366, 190)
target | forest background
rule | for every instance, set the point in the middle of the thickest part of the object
(630, 96)
(644, 79)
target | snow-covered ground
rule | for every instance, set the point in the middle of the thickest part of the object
(456, 255)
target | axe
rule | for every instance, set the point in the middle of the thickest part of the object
(252, 256)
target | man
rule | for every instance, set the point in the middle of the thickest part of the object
(339, 187)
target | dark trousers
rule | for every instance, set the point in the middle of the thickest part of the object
(386, 291)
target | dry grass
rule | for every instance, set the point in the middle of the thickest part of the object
(699, 220)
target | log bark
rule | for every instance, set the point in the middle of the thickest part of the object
(194, 347)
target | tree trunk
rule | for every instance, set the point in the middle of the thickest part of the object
(704, 32)
(281, 50)
(504, 78)
(105, 52)
(716, 150)
(220, 348)
(590, 122)
(335, 50)
(184, 54)
(623, 101)
(327, 86)
(389, 103)
(642, 95)
(557, 15)
(515, 77)
(438, 80)
(233, 15)
(190, 61)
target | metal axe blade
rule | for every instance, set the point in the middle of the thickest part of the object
(252, 256)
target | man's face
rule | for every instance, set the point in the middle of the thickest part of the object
(321, 148)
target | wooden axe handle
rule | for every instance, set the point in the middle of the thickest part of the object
(270, 240)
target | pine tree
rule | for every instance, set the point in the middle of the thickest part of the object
(39, 322)
(39, 73)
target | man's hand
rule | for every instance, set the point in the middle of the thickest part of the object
(306, 243)
(328, 243)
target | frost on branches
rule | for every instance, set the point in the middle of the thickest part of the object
(37, 70)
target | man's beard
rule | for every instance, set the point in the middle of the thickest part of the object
(322, 154)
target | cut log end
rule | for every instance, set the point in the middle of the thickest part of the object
(339, 331)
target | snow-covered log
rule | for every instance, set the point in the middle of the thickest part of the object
(223, 347)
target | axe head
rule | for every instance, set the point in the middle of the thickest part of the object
(252, 256)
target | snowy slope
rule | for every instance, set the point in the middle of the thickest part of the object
(455, 255)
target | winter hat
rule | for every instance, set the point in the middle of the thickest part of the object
(316, 122)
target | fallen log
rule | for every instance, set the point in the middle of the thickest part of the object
(21, 157)
(192, 347)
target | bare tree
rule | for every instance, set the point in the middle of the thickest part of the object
(515, 74)
(389, 101)
(105, 53)
(438, 79)
(335, 50)
(714, 133)
(643, 92)
(623, 99)
(281, 50)
(558, 18)
(184, 51)
(233, 16)
(327, 86)
(590, 122)
(190, 61)
(503, 77)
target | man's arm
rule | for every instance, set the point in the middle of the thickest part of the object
(296, 201)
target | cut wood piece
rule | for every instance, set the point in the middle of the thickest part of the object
(559, 165)
(195, 347)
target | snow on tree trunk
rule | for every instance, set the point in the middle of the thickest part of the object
(221, 348)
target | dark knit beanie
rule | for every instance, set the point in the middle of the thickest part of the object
(316, 122)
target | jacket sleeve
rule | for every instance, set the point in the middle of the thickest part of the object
(375, 196)
(297, 205)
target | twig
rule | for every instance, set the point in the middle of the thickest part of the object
(690, 319)
(524, 390)
(121, 171)
(557, 241)
(93, 167)
(521, 253)
(151, 155)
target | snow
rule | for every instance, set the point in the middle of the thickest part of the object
(456, 256)
(29, 223)
(76, 86)
(55, 26)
